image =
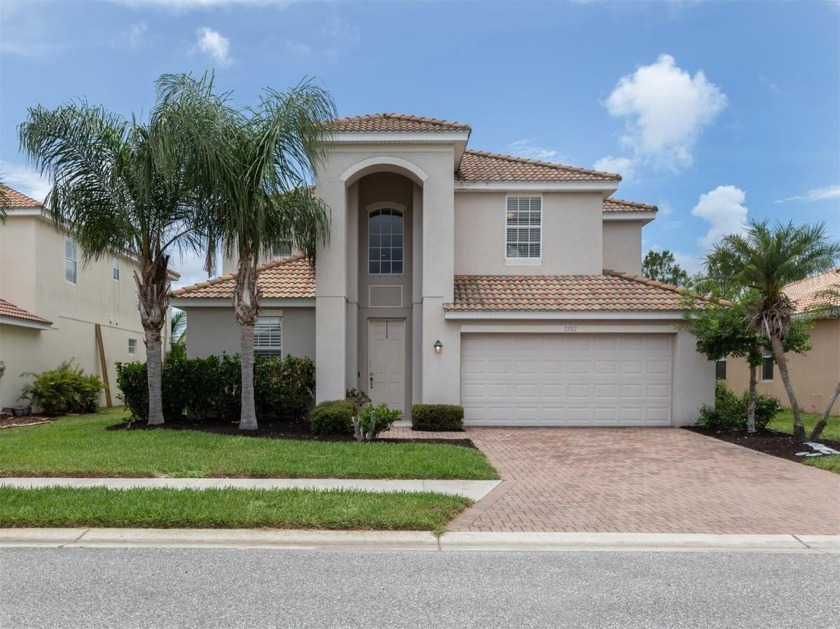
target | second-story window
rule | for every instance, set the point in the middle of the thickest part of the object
(385, 242)
(115, 269)
(523, 238)
(70, 262)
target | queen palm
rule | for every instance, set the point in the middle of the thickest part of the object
(766, 259)
(118, 197)
(254, 174)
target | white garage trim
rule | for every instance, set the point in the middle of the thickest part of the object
(567, 379)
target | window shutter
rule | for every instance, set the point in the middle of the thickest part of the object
(268, 336)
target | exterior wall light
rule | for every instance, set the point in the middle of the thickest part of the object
(438, 347)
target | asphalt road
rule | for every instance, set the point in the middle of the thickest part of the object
(154, 587)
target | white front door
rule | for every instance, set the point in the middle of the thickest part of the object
(386, 363)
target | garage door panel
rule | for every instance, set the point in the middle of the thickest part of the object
(567, 380)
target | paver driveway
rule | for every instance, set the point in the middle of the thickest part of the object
(644, 480)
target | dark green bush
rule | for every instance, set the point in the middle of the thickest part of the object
(730, 410)
(209, 388)
(65, 389)
(333, 417)
(438, 417)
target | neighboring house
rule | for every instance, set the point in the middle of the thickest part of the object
(815, 373)
(464, 277)
(51, 303)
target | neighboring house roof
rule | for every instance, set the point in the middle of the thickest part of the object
(620, 205)
(812, 292)
(9, 310)
(20, 200)
(480, 166)
(290, 278)
(397, 123)
(610, 292)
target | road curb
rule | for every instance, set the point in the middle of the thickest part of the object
(413, 540)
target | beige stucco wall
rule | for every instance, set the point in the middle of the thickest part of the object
(572, 241)
(214, 331)
(813, 375)
(623, 246)
(32, 277)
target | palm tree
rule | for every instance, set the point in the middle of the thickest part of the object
(117, 196)
(766, 259)
(178, 334)
(4, 202)
(252, 167)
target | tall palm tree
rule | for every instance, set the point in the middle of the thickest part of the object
(5, 202)
(253, 173)
(117, 196)
(766, 259)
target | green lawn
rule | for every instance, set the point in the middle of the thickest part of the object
(783, 422)
(81, 446)
(226, 508)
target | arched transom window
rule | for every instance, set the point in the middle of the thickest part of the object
(385, 242)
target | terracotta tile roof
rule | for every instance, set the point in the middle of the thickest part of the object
(397, 123)
(10, 310)
(610, 292)
(290, 278)
(620, 205)
(481, 166)
(810, 293)
(20, 200)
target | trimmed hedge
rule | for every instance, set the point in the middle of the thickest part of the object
(438, 417)
(333, 417)
(209, 388)
(730, 410)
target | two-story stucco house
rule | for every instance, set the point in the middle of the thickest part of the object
(51, 303)
(458, 276)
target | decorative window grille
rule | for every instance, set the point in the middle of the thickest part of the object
(524, 227)
(385, 242)
(268, 336)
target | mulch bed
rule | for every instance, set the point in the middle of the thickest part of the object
(268, 430)
(12, 421)
(767, 441)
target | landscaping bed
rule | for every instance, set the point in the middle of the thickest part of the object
(270, 430)
(767, 441)
(13, 421)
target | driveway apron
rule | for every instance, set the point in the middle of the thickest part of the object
(643, 480)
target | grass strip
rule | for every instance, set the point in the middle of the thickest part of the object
(81, 446)
(226, 508)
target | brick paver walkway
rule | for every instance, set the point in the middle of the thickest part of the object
(643, 480)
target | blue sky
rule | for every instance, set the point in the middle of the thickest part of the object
(718, 112)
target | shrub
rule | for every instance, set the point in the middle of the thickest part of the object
(358, 398)
(437, 417)
(374, 420)
(332, 418)
(65, 389)
(730, 410)
(209, 388)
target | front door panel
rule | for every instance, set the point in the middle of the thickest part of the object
(386, 362)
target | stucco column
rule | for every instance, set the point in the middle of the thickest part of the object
(331, 298)
(693, 380)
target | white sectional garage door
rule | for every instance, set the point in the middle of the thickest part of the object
(566, 379)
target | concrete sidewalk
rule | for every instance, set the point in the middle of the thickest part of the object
(472, 489)
(413, 540)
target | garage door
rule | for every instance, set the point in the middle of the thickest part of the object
(566, 379)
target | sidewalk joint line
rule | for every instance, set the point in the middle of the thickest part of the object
(800, 541)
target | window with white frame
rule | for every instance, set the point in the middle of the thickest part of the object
(70, 262)
(268, 336)
(115, 269)
(132, 347)
(385, 242)
(283, 249)
(523, 228)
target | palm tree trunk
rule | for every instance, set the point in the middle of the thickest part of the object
(781, 361)
(751, 404)
(153, 376)
(248, 419)
(246, 309)
(818, 429)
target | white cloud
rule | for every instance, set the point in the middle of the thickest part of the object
(817, 194)
(24, 179)
(770, 85)
(665, 109)
(214, 44)
(665, 208)
(191, 267)
(527, 148)
(341, 31)
(296, 49)
(134, 34)
(724, 208)
(624, 166)
(688, 262)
